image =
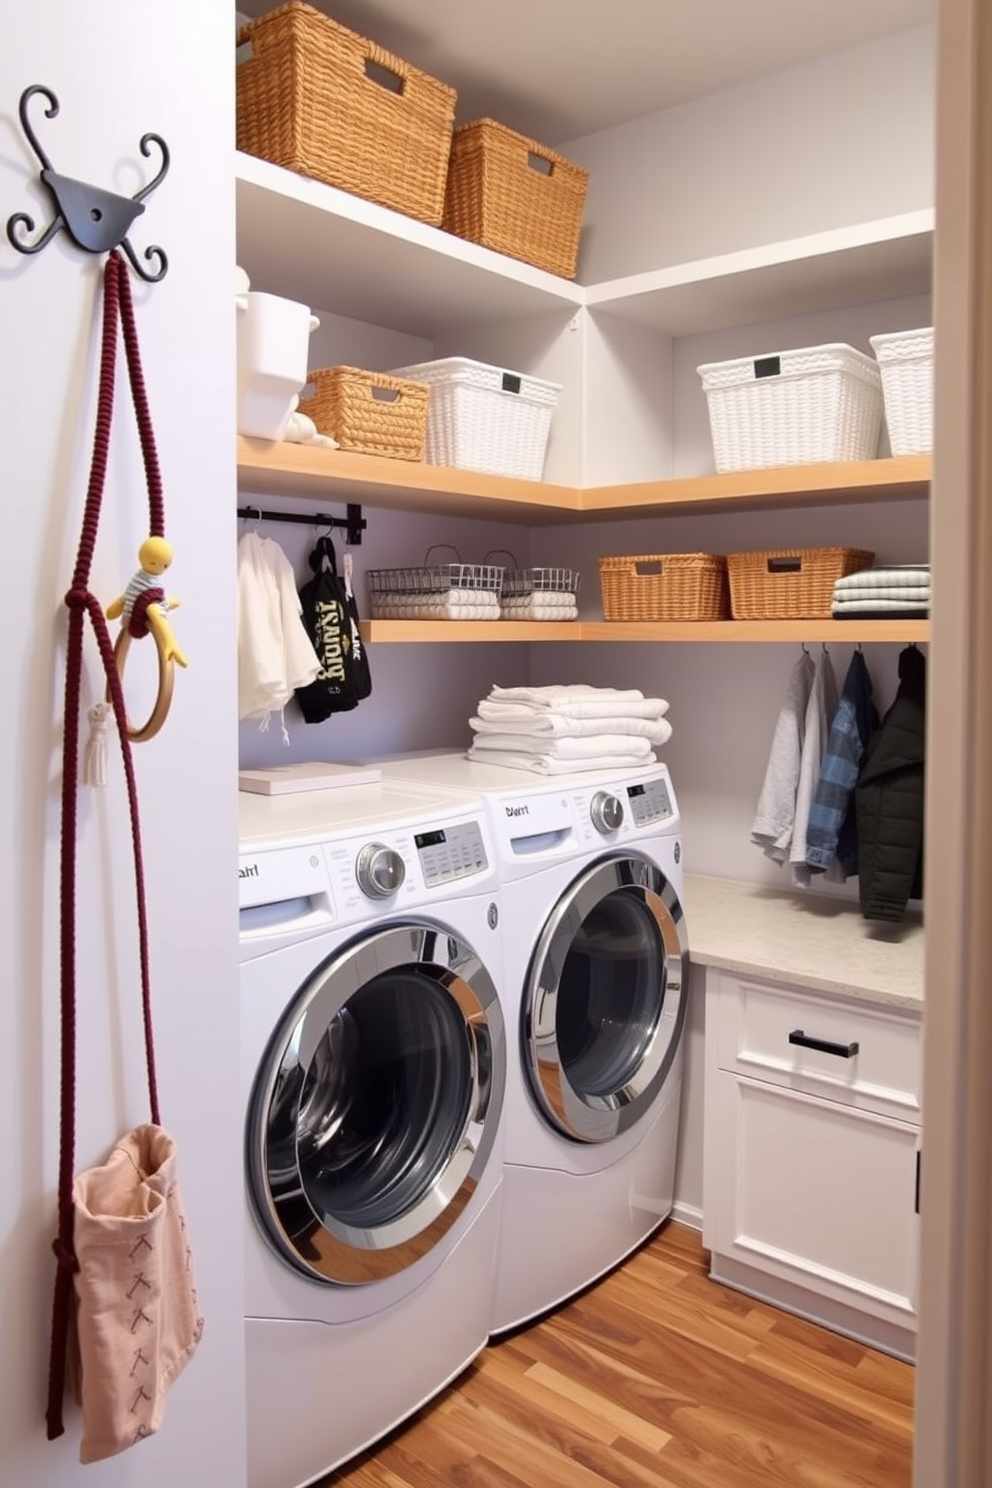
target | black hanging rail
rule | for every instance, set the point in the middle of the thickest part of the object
(95, 219)
(354, 523)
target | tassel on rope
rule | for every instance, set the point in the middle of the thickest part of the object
(95, 753)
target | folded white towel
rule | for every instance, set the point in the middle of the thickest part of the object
(628, 745)
(549, 726)
(540, 764)
(880, 578)
(894, 598)
(549, 697)
(608, 705)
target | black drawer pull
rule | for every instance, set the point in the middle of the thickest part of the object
(843, 1051)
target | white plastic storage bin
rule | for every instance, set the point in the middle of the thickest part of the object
(273, 348)
(905, 360)
(485, 418)
(818, 403)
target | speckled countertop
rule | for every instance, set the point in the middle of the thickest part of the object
(808, 940)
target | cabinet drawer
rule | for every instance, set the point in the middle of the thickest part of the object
(840, 1050)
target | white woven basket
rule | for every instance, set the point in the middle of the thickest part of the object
(905, 360)
(818, 403)
(485, 418)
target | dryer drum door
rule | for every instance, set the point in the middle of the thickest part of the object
(375, 1108)
(604, 1004)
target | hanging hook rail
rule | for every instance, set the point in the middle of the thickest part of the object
(354, 523)
(96, 220)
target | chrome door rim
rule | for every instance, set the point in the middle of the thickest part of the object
(579, 1115)
(318, 1245)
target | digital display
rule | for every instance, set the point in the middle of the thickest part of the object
(635, 790)
(429, 839)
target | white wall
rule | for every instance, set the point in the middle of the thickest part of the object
(120, 70)
(845, 139)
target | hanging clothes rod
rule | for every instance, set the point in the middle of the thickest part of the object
(354, 523)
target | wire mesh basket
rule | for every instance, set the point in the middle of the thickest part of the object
(436, 591)
(537, 593)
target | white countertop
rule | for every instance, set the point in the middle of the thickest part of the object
(808, 940)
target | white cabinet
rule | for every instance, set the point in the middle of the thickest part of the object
(811, 1155)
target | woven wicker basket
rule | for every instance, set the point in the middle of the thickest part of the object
(789, 583)
(369, 411)
(318, 99)
(818, 403)
(664, 586)
(906, 364)
(511, 194)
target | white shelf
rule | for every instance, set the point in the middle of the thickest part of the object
(880, 260)
(340, 253)
(310, 242)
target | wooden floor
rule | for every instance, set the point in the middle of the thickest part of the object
(659, 1378)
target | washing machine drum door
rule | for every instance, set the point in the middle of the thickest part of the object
(374, 1111)
(604, 1006)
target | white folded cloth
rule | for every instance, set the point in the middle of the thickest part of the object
(891, 599)
(628, 745)
(547, 725)
(541, 764)
(897, 576)
(577, 701)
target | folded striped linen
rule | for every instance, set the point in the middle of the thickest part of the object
(630, 746)
(547, 725)
(891, 598)
(578, 701)
(896, 576)
(542, 764)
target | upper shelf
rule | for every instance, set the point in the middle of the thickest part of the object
(340, 253)
(852, 265)
(303, 471)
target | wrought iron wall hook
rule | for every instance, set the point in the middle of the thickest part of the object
(96, 220)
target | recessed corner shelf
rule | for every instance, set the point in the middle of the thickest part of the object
(338, 252)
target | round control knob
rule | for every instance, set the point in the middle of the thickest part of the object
(380, 870)
(606, 812)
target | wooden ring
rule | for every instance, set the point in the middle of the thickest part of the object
(163, 699)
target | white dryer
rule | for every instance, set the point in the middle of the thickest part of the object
(373, 1066)
(595, 964)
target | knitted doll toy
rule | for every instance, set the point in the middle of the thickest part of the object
(144, 603)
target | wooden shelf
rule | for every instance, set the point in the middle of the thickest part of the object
(444, 632)
(312, 473)
(891, 479)
(315, 474)
(762, 631)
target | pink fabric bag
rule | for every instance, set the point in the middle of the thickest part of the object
(137, 1320)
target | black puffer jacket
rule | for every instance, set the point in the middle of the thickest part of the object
(889, 800)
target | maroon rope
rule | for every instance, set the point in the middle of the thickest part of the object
(80, 602)
(139, 395)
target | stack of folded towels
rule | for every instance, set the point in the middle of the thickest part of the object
(559, 730)
(898, 592)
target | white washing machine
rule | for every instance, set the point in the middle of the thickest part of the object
(373, 1068)
(595, 965)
